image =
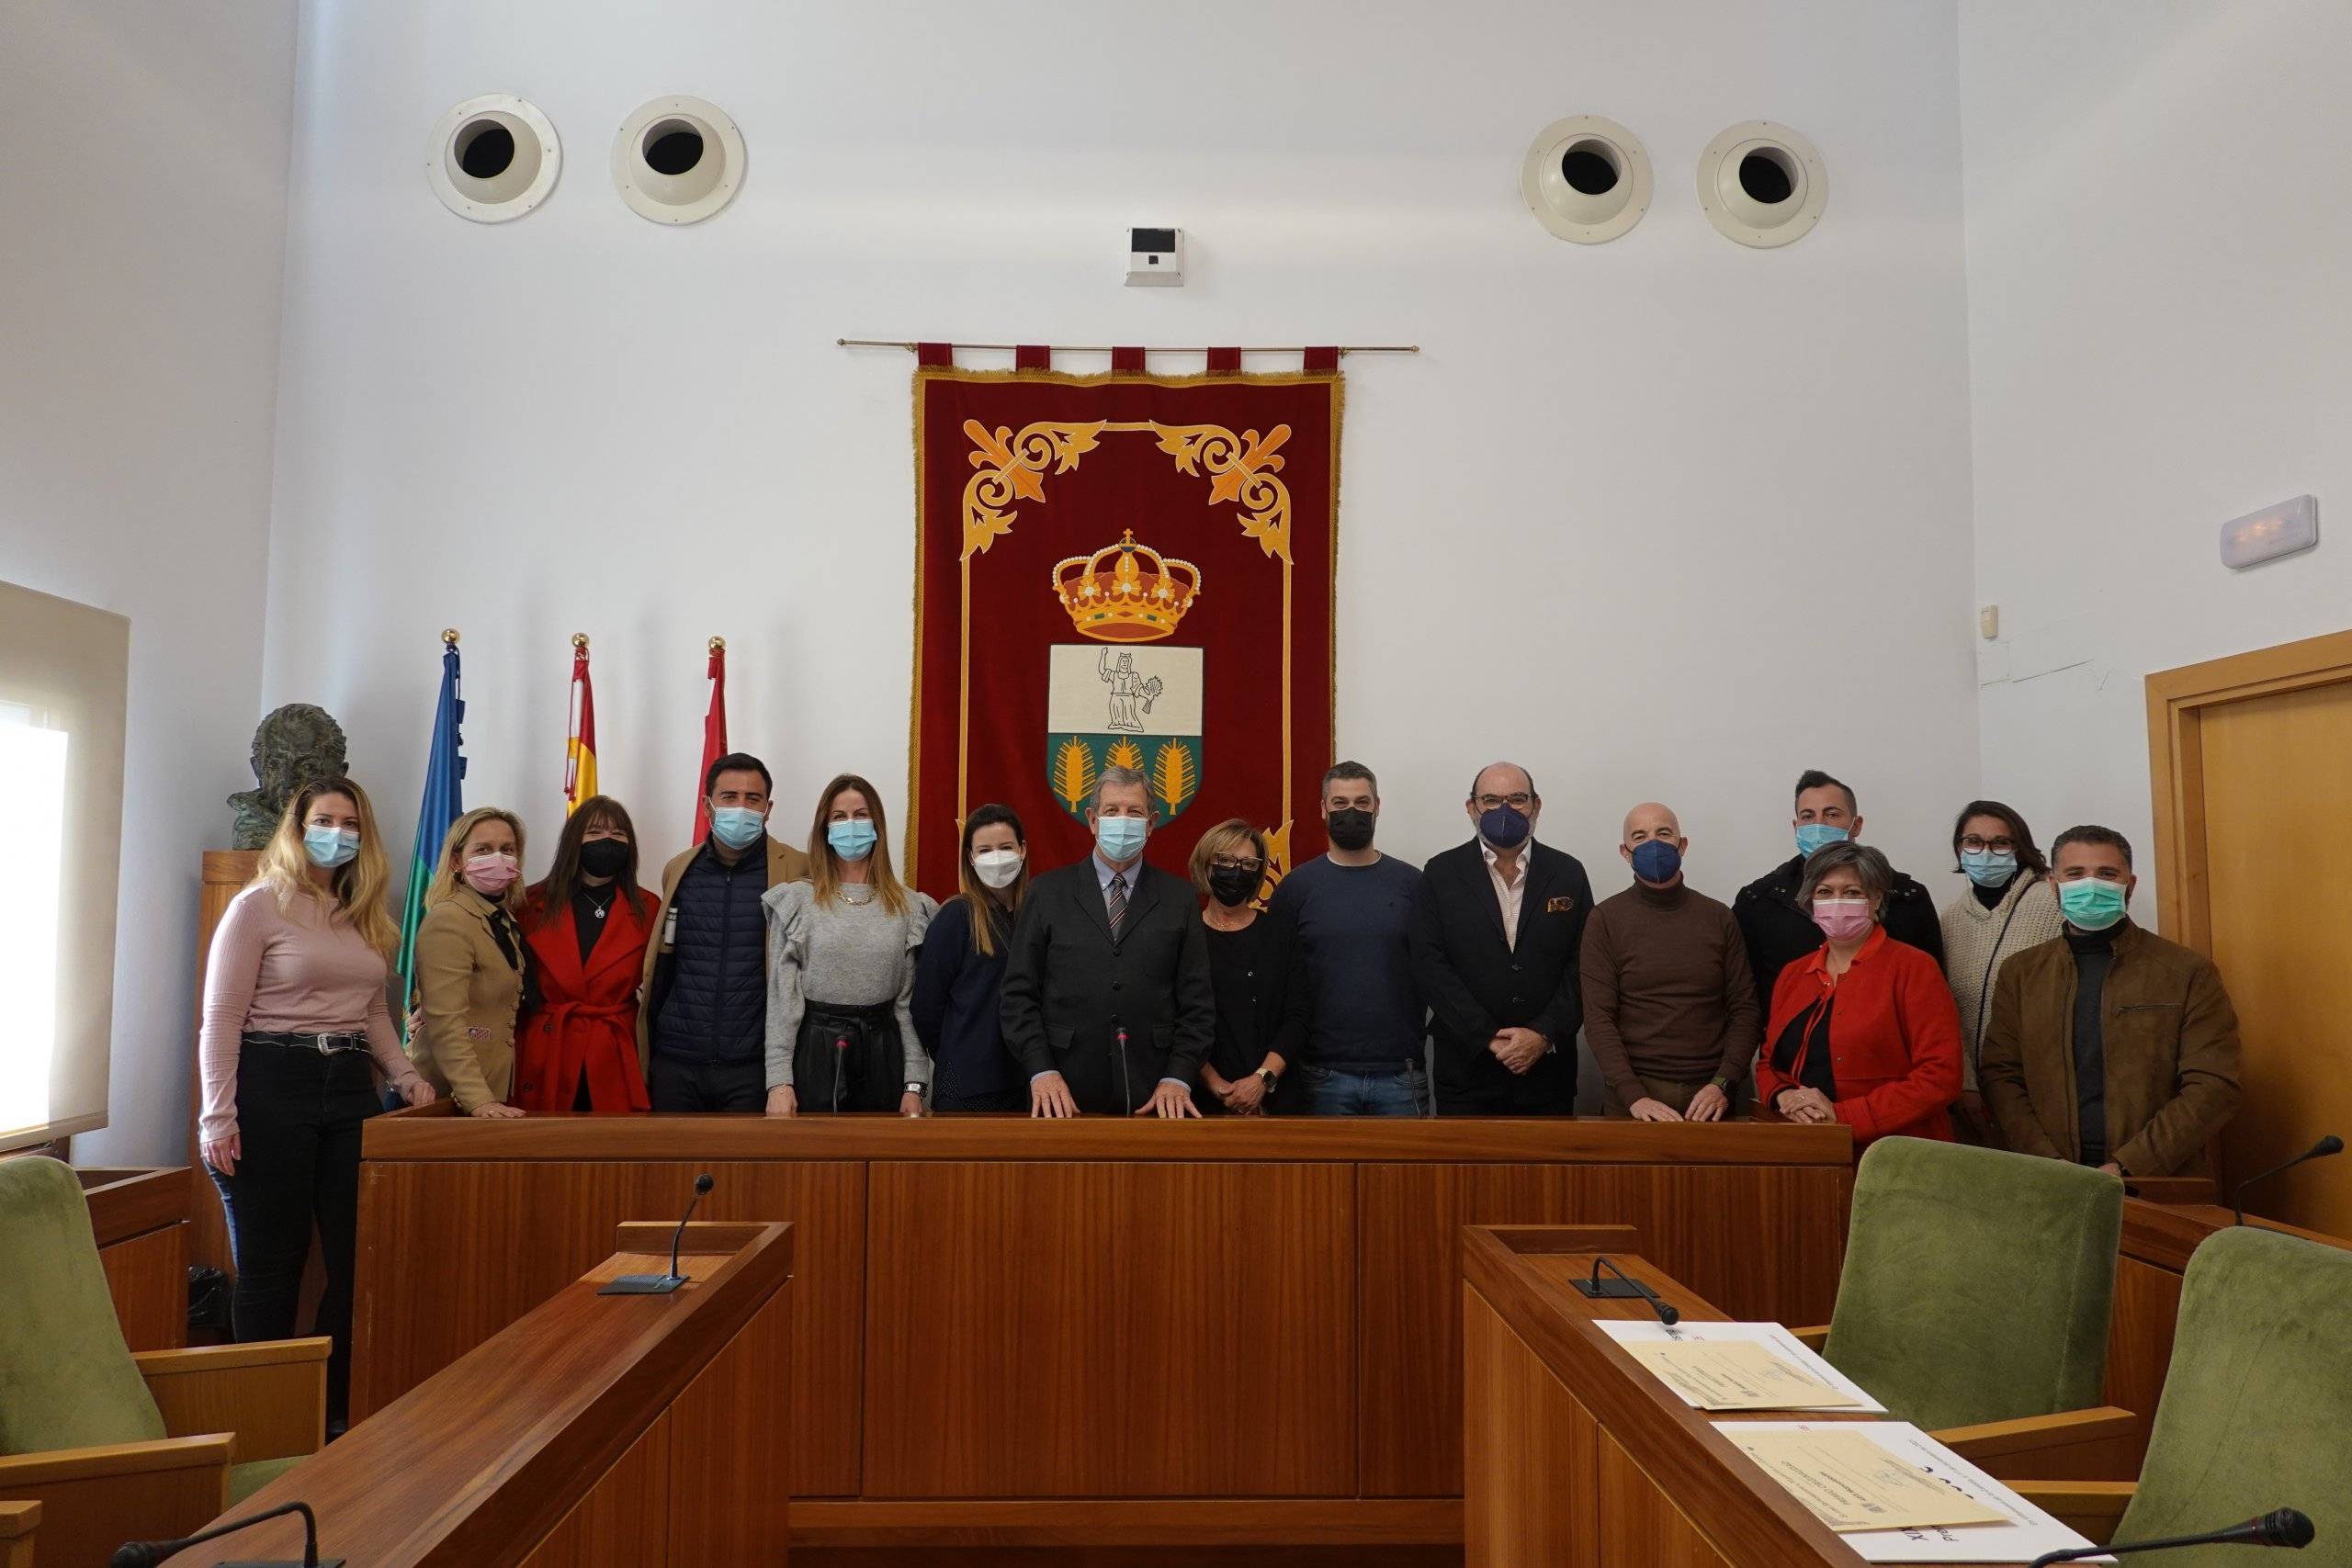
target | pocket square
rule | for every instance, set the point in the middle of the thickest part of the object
(1561, 904)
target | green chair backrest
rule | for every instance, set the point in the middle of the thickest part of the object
(66, 1378)
(2257, 1412)
(1976, 1283)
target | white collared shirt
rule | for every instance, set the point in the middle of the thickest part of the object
(1507, 893)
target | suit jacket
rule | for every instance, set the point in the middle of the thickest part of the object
(468, 989)
(1477, 983)
(583, 1023)
(785, 865)
(2169, 1043)
(1069, 988)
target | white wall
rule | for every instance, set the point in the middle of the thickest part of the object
(1667, 517)
(145, 190)
(2157, 344)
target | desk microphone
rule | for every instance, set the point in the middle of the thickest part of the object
(1623, 1286)
(1126, 1089)
(662, 1285)
(147, 1554)
(2282, 1527)
(841, 1063)
(2331, 1144)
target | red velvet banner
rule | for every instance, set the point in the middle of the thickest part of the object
(1126, 570)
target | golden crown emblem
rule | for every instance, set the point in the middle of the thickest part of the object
(1126, 592)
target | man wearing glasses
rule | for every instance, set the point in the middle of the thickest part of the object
(1496, 929)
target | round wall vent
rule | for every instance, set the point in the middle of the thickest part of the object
(1762, 184)
(678, 160)
(493, 158)
(1586, 178)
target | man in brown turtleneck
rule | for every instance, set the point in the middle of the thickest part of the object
(1670, 1007)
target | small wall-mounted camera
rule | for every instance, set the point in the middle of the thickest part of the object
(1156, 257)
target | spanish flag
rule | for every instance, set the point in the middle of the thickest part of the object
(580, 750)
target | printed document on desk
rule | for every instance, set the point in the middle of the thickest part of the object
(1784, 1345)
(2025, 1533)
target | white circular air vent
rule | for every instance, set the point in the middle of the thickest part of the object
(1586, 178)
(493, 158)
(678, 160)
(1762, 184)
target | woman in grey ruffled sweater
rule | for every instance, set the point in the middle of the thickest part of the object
(842, 952)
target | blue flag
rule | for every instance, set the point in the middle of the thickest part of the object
(444, 770)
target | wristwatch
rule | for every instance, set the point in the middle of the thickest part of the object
(914, 1088)
(1721, 1083)
(1269, 1076)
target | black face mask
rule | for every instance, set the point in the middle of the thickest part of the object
(1231, 888)
(1350, 829)
(604, 857)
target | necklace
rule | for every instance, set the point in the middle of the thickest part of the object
(857, 892)
(599, 905)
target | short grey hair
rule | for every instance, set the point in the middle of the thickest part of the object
(1866, 863)
(1118, 778)
(1350, 770)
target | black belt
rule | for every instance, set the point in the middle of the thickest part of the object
(324, 1044)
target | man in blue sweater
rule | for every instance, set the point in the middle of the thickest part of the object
(1365, 1044)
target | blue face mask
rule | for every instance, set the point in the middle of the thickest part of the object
(736, 827)
(1812, 836)
(1120, 837)
(330, 846)
(1657, 861)
(852, 839)
(2091, 905)
(1986, 869)
(1504, 828)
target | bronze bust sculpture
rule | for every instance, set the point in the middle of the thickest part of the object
(292, 747)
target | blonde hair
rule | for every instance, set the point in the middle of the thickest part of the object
(824, 866)
(362, 886)
(1228, 836)
(448, 872)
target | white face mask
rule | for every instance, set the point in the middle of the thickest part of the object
(997, 868)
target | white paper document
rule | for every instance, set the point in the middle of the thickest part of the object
(2025, 1533)
(1771, 1335)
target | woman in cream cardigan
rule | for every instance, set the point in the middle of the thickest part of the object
(471, 965)
(2010, 905)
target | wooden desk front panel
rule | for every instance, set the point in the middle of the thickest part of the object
(1764, 1241)
(423, 1300)
(1111, 1330)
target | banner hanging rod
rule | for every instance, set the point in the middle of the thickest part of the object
(1091, 348)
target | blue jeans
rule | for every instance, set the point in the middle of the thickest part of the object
(1343, 1093)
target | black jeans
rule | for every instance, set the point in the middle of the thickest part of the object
(682, 1083)
(298, 1115)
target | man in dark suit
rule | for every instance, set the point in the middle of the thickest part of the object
(1106, 996)
(1495, 932)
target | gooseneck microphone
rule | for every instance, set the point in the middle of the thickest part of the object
(1623, 1286)
(2280, 1527)
(1126, 1089)
(147, 1554)
(2331, 1144)
(840, 1065)
(662, 1285)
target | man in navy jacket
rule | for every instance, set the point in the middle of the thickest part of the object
(1495, 933)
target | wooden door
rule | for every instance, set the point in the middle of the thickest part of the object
(2256, 755)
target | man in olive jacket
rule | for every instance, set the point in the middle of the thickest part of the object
(2110, 1046)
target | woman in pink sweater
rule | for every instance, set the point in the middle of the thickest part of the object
(294, 1012)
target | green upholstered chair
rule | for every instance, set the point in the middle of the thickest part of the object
(1975, 1297)
(2257, 1412)
(116, 1446)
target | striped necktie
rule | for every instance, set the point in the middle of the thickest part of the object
(1118, 902)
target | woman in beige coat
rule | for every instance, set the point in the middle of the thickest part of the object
(471, 965)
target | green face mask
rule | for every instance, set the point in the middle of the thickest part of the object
(2091, 905)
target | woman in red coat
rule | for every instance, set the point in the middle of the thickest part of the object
(1863, 1030)
(587, 926)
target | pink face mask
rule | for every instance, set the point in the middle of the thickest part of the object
(491, 876)
(1842, 920)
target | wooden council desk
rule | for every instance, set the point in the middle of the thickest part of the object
(1036, 1333)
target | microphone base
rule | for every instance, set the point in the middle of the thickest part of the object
(642, 1285)
(1609, 1289)
(280, 1562)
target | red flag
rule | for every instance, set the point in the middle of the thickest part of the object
(580, 747)
(714, 735)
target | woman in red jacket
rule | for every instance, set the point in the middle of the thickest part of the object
(1864, 1030)
(587, 926)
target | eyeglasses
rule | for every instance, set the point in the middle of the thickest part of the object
(1516, 802)
(1976, 846)
(1236, 862)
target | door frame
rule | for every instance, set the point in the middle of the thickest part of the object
(2178, 700)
